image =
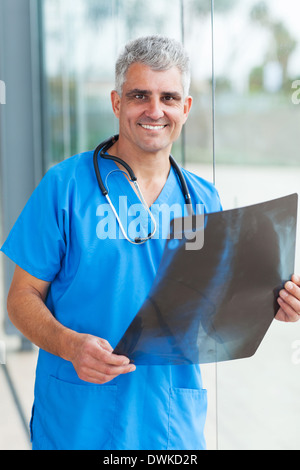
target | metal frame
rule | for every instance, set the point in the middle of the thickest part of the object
(20, 124)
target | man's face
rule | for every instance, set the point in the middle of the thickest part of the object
(152, 109)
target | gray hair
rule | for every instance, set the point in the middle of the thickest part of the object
(157, 52)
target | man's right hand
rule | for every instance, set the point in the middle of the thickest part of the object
(95, 362)
(92, 357)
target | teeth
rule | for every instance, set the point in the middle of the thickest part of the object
(152, 127)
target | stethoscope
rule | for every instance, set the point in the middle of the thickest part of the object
(103, 148)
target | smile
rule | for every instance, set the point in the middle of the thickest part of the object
(152, 128)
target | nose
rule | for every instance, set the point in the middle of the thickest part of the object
(154, 109)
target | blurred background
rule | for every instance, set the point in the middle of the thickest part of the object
(57, 63)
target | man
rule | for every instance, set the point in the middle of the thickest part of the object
(75, 291)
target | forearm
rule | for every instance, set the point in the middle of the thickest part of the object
(92, 357)
(28, 312)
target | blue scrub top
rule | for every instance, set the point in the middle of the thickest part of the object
(97, 287)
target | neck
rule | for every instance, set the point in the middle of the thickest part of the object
(151, 168)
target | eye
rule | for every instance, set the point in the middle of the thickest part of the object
(140, 97)
(168, 98)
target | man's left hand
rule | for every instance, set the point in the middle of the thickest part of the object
(289, 301)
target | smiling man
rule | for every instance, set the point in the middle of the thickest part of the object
(74, 293)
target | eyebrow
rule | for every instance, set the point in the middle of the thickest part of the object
(138, 91)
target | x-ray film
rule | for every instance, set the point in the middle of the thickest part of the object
(216, 303)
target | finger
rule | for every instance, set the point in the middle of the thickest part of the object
(106, 356)
(105, 373)
(108, 369)
(114, 360)
(291, 300)
(105, 344)
(296, 279)
(286, 312)
(113, 371)
(104, 353)
(293, 286)
(293, 289)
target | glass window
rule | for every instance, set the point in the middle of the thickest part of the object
(257, 53)
(82, 39)
(243, 133)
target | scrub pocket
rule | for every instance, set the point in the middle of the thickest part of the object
(75, 417)
(188, 409)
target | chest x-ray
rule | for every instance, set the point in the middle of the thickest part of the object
(216, 303)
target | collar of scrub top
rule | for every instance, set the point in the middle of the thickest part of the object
(102, 149)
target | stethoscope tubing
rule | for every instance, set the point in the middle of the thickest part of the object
(102, 150)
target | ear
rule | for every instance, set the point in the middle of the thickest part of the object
(187, 107)
(116, 103)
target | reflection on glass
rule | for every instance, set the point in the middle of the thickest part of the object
(257, 57)
(82, 41)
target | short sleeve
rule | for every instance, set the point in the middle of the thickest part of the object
(36, 242)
